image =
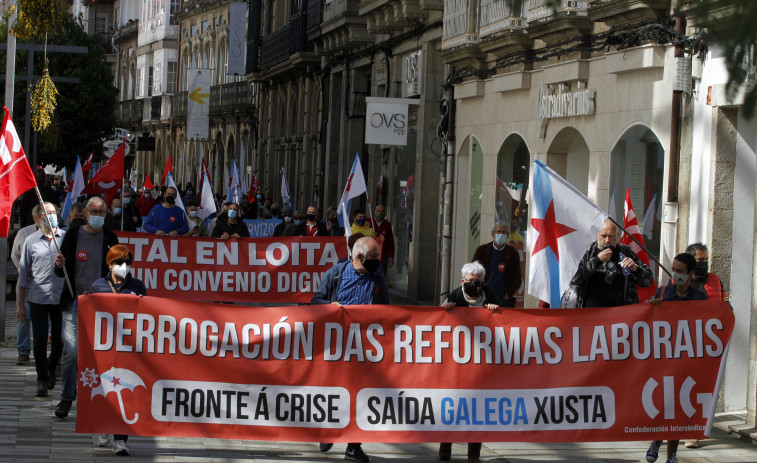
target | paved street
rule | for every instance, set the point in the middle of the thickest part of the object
(29, 432)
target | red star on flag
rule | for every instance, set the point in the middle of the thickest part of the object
(549, 231)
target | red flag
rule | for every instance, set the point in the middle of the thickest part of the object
(169, 168)
(254, 186)
(16, 174)
(110, 177)
(631, 224)
(148, 183)
(87, 166)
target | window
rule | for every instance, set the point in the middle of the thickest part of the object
(173, 10)
(149, 81)
(158, 79)
(204, 26)
(171, 77)
(140, 82)
(101, 24)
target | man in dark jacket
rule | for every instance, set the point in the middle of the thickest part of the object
(83, 254)
(355, 282)
(230, 225)
(311, 226)
(609, 272)
(502, 264)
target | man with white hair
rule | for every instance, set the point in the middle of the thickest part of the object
(354, 282)
(83, 253)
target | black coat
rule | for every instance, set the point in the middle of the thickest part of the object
(223, 226)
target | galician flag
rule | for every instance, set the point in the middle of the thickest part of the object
(171, 184)
(207, 202)
(232, 193)
(354, 188)
(564, 224)
(631, 224)
(77, 185)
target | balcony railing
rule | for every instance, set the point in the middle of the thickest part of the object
(129, 111)
(460, 24)
(179, 104)
(277, 46)
(229, 98)
(497, 16)
(540, 9)
(315, 8)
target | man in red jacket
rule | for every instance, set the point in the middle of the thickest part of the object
(502, 264)
(383, 229)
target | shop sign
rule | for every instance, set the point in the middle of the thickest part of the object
(386, 120)
(564, 104)
(412, 74)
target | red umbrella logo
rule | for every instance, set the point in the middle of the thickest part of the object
(116, 380)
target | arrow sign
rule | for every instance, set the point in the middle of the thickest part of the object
(198, 109)
(197, 97)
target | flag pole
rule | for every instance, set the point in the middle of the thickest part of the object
(57, 247)
(651, 256)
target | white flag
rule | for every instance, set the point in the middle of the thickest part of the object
(207, 202)
(286, 196)
(171, 184)
(76, 188)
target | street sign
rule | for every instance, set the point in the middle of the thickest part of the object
(198, 103)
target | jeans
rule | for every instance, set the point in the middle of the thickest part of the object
(23, 333)
(70, 353)
(40, 314)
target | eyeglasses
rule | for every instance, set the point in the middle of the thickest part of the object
(100, 212)
(121, 262)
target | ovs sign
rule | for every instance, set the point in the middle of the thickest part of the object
(386, 121)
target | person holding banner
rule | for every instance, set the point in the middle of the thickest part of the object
(230, 225)
(684, 270)
(118, 281)
(472, 292)
(196, 224)
(502, 264)
(166, 218)
(355, 282)
(83, 253)
(609, 272)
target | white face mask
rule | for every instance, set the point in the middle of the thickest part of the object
(680, 279)
(121, 270)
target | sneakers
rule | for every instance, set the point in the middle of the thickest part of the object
(104, 440)
(653, 451)
(22, 359)
(355, 453)
(64, 406)
(41, 390)
(672, 459)
(692, 443)
(324, 447)
(120, 448)
(51, 381)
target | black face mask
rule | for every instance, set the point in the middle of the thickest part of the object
(311, 217)
(78, 222)
(473, 288)
(170, 199)
(334, 220)
(371, 264)
(701, 269)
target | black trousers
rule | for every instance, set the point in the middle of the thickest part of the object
(40, 314)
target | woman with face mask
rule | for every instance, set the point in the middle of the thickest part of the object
(196, 224)
(230, 225)
(471, 293)
(118, 281)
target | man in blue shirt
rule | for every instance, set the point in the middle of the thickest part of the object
(355, 282)
(166, 218)
(684, 269)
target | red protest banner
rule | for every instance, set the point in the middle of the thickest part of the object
(284, 269)
(154, 366)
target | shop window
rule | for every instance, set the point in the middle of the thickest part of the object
(511, 190)
(638, 164)
(403, 203)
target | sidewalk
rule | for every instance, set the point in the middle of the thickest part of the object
(29, 432)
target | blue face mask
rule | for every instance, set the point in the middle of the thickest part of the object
(298, 222)
(360, 222)
(232, 213)
(127, 200)
(96, 221)
(190, 192)
(116, 211)
(53, 220)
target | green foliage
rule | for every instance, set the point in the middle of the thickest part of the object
(85, 112)
(730, 24)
